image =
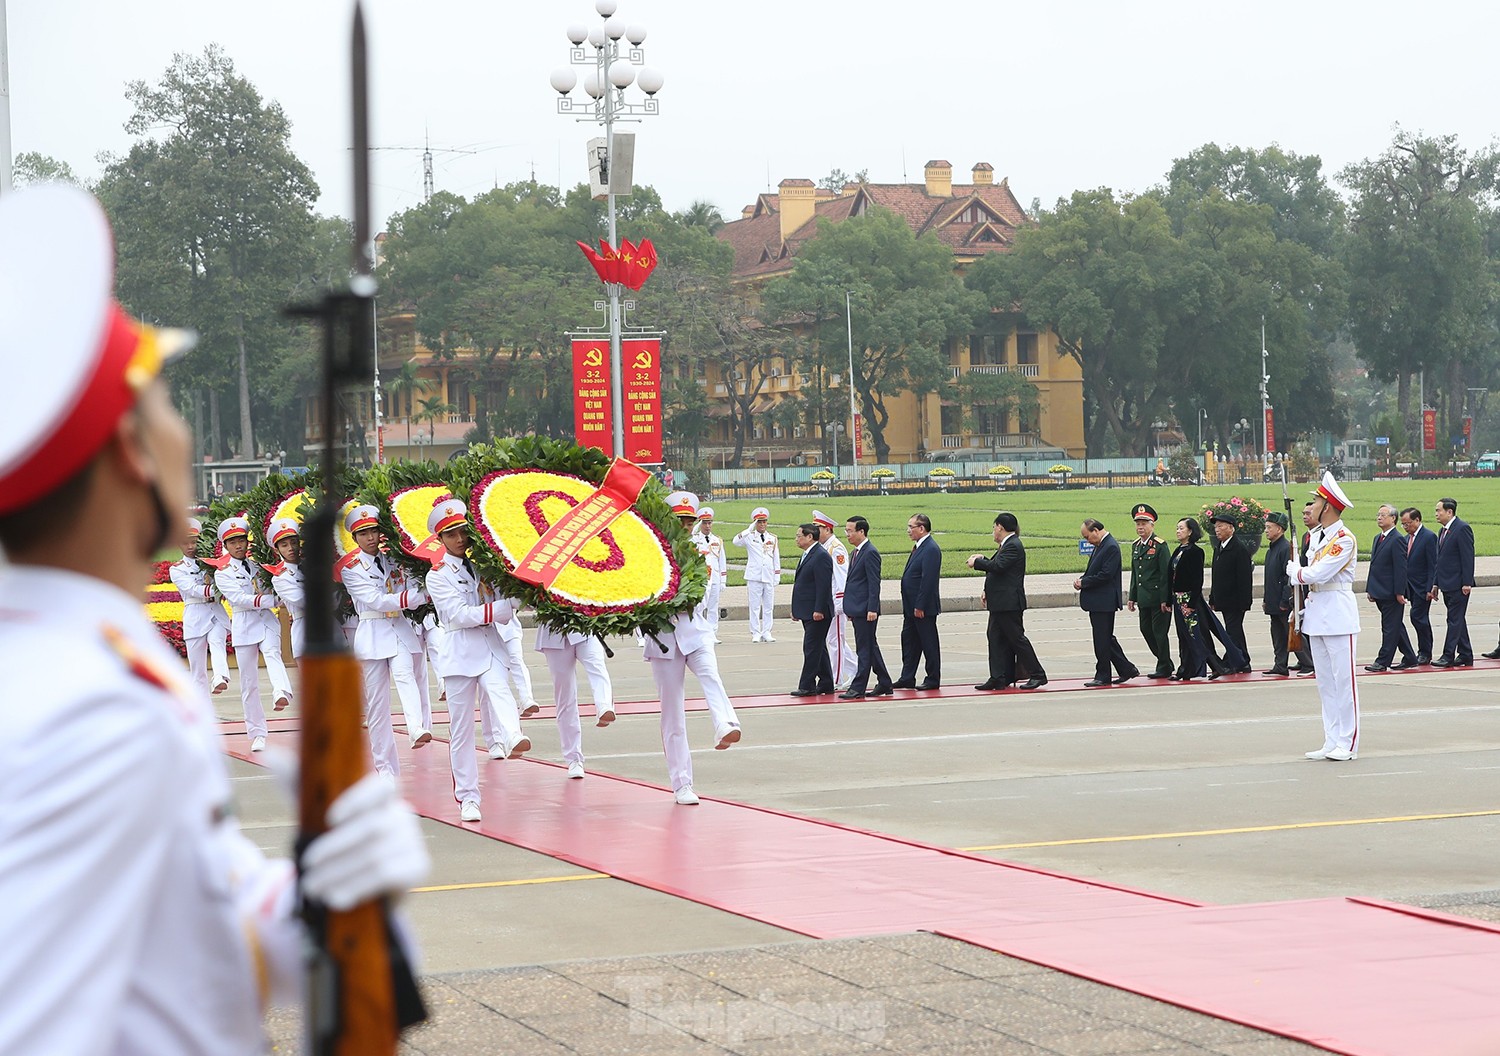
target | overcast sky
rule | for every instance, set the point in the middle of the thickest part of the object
(1056, 96)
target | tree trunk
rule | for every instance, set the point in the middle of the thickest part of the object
(215, 426)
(247, 434)
(876, 417)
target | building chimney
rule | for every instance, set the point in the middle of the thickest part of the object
(798, 200)
(939, 175)
(984, 174)
(747, 212)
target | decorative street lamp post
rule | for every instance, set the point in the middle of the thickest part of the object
(608, 73)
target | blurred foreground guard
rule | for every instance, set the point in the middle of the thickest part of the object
(138, 919)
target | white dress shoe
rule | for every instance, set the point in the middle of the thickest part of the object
(1321, 753)
(497, 750)
(469, 811)
(686, 796)
(530, 709)
(420, 737)
(282, 703)
(606, 717)
(258, 744)
(523, 745)
(575, 771)
(221, 685)
(727, 736)
(767, 638)
(755, 639)
(1339, 755)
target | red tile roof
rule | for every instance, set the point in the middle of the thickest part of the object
(760, 250)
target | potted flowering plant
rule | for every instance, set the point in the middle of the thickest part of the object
(824, 479)
(883, 476)
(1249, 519)
(1060, 473)
(942, 476)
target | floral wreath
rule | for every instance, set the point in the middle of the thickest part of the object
(637, 574)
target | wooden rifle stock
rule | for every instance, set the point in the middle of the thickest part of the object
(1293, 634)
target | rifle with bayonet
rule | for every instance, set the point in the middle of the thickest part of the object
(1293, 635)
(360, 987)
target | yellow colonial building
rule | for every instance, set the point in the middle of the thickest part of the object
(973, 219)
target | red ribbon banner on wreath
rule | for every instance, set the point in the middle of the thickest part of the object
(544, 562)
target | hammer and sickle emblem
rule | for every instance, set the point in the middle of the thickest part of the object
(593, 357)
(643, 359)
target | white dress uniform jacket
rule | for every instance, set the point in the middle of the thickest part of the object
(380, 591)
(1332, 562)
(252, 621)
(201, 610)
(841, 655)
(290, 589)
(136, 913)
(762, 555)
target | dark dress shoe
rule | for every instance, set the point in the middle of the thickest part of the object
(1243, 669)
(1220, 673)
(904, 683)
(1405, 665)
(1467, 662)
(989, 683)
(1176, 676)
(1377, 667)
(803, 693)
(1442, 661)
(930, 685)
(1493, 654)
(1095, 683)
(1122, 679)
(1302, 669)
(1034, 682)
(852, 694)
(1424, 659)
(824, 691)
(1160, 674)
(1277, 671)
(882, 691)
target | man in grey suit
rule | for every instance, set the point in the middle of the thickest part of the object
(862, 607)
(1099, 595)
(1004, 596)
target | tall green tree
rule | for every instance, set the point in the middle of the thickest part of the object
(31, 167)
(907, 305)
(1422, 284)
(213, 215)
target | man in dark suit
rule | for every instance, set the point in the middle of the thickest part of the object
(1233, 588)
(1276, 592)
(1099, 595)
(812, 606)
(1005, 597)
(1454, 576)
(862, 607)
(1385, 585)
(1421, 568)
(920, 606)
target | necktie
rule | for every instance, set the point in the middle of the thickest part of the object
(380, 564)
(469, 568)
(1409, 540)
(1442, 536)
(245, 565)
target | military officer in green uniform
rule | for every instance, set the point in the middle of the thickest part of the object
(1150, 572)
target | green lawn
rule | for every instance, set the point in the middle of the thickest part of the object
(1050, 519)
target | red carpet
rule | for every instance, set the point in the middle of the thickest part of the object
(1351, 976)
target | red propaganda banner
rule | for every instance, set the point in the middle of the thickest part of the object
(1429, 429)
(859, 437)
(641, 363)
(1270, 429)
(591, 406)
(1468, 434)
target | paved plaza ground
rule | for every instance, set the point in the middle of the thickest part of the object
(1198, 792)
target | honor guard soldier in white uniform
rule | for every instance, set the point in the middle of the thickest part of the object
(564, 653)
(688, 646)
(840, 635)
(472, 653)
(711, 547)
(205, 624)
(1331, 620)
(286, 579)
(762, 572)
(138, 918)
(255, 627)
(384, 640)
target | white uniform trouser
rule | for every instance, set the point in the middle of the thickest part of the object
(1333, 659)
(248, 657)
(424, 697)
(762, 597)
(299, 638)
(560, 662)
(516, 670)
(841, 650)
(378, 675)
(670, 673)
(205, 651)
(497, 707)
(711, 599)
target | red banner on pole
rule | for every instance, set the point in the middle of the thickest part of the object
(1429, 429)
(592, 422)
(641, 362)
(859, 437)
(1270, 430)
(1468, 434)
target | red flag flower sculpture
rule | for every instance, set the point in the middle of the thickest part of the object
(630, 265)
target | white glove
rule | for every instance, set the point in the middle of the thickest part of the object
(373, 847)
(1291, 570)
